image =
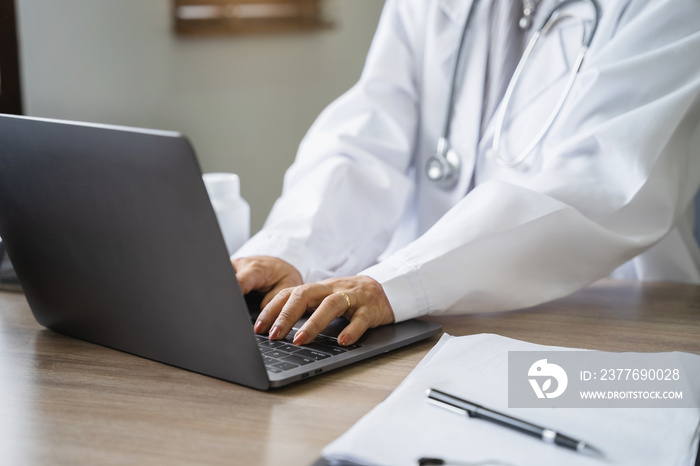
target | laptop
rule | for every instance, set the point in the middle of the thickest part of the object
(114, 240)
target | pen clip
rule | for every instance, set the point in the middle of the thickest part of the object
(450, 407)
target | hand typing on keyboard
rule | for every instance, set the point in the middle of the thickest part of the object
(282, 355)
(360, 299)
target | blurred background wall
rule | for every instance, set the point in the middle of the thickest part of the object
(244, 102)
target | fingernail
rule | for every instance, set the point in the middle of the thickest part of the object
(258, 326)
(300, 338)
(343, 340)
(274, 333)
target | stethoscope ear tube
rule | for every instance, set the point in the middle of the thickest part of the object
(494, 153)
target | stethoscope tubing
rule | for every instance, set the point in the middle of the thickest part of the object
(449, 167)
(455, 72)
(546, 27)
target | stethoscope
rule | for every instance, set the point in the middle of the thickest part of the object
(444, 166)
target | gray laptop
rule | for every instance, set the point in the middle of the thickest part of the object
(114, 240)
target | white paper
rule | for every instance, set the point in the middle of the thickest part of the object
(405, 427)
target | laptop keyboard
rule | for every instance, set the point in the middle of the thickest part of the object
(283, 355)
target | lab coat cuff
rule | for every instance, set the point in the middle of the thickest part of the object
(402, 286)
(290, 250)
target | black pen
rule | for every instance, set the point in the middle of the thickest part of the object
(470, 409)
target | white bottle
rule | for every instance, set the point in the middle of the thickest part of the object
(232, 211)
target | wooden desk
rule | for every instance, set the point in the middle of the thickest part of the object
(65, 401)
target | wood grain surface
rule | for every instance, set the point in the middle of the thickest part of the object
(65, 401)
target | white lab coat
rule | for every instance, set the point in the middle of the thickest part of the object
(608, 191)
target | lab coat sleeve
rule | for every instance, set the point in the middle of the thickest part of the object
(617, 170)
(350, 183)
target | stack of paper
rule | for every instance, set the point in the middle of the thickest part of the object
(405, 427)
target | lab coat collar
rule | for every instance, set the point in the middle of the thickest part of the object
(456, 10)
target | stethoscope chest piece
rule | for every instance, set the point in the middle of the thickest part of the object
(443, 168)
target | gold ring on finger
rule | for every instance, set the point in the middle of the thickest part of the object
(347, 298)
